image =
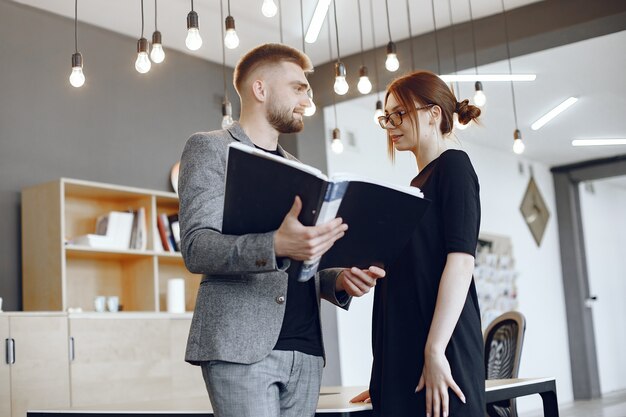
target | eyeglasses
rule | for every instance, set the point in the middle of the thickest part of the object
(395, 118)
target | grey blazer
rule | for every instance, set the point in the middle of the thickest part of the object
(241, 301)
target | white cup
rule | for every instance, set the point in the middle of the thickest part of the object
(176, 295)
(113, 303)
(99, 303)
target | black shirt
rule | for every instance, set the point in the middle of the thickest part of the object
(301, 325)
(404, 302)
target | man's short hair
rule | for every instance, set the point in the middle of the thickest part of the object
(268, 54)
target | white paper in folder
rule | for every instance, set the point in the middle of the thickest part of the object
(176, 295)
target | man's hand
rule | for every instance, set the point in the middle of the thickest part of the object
(363, 397)
(357, 282)
(296, 241)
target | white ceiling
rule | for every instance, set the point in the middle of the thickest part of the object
(591, 70)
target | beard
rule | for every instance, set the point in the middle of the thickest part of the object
(282, 119)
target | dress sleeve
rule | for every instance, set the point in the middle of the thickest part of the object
(460, 202)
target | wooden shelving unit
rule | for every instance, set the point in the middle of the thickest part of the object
(58, 276)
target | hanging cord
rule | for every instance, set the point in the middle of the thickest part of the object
(358, 3)
(336, 29)
(388, 26)
(229, 8)
(302, 27)
(508, 54)
(280, 20)
(432, 4)
(330, 53)
(408, 18)
(473, 37)
(155, 15)
(223, 50)
(142, 18)
(75, 25)
(192, 5)
(374, 49)
(458, 92)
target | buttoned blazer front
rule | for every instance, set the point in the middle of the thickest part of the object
(241, 300)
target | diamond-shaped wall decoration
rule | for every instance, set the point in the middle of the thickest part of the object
(535, 211)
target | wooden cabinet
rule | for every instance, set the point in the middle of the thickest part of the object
(5, 371)
(131, 359)
(58, 276)
(39, 360)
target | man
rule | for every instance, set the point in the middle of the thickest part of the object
(256, 330)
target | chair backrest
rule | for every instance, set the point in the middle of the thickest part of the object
(503, 345)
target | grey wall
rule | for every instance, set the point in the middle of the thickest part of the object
(121, 127)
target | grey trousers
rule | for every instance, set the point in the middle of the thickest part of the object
(285, 384)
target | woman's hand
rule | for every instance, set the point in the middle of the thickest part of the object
(437, 378)
(363, 397)
(357, 282)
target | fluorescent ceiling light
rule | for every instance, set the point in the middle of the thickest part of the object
(598, 142)
(318, 19)
(487, 77)
(553, 113)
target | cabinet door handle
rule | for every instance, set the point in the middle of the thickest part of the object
(10, 349)
(72, 351)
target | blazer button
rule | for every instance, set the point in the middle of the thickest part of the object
(280, 299)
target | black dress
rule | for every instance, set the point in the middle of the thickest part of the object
(404, 302)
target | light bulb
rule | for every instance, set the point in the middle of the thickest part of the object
(378, 112)
(231, 40)
(227, 114)
(157, 55)
(193, 40)
(310, 111)
(518, 145)
(142, 64)
(269, 8)
(392, 64)
(77, 78)
(365, 85)
(479, 96)
(336, 146)
(341, 86)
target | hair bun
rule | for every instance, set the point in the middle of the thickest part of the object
(467, 112)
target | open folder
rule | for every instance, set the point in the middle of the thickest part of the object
(261, 187)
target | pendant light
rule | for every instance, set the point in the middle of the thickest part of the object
(308, 111)
(269, 8)
(518, 144)
(341, 86)
(227, 107)
(77, 78)
(378, 111)
(365, 85)
(142, 63)
(335, 142)
(231, 40)
(157, 55)
(193, 40)
(392, 64)
(479, 95)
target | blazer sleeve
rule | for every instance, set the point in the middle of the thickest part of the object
(201, 190)
(328, 278)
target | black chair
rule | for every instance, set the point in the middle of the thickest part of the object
(504, 338)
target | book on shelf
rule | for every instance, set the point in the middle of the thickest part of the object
(175, 230)
(260, 190)
(138, 239)
(163, 228)
(113, 231)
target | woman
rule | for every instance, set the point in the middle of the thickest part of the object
(427, 341)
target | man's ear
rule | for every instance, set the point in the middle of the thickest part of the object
(259, 90)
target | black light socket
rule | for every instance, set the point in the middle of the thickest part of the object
(391, 48)
(340, 69)
(230, 22)
(517, 134)
(478, 86)
(142, 45)
(336, 134)
(156, 37)
(379, 105)
(192, 20)
(363, 71)
(77, 60)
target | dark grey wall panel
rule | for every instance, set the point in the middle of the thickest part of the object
(121, 127)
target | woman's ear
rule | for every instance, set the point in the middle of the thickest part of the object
(435, 114)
